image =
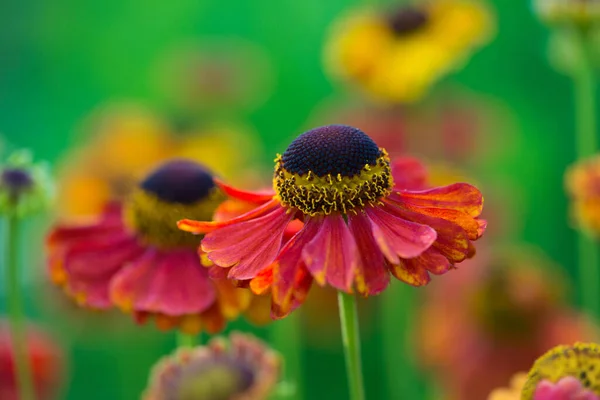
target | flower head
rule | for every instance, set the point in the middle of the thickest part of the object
(583, 186)
(25, 187)
(397, 56)
(241, 368)
(569, 371)
(45, 358)
(363, 218)
(134, 256)
(582, 12)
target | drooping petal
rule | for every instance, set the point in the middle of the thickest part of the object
(331, 256)
(459, 196)
(398, 238)
(263, 281)
(169, 282)
(90, 265)
(409, 174)
(411, 272)
(202, 227)
(371, 275)
(232, 300)
(250, 197)
(248, 246)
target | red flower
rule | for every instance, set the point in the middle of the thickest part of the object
(364, 218)
(134, 257)
(46, 362)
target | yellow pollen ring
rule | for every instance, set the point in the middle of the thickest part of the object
(322, 195)
(581, 361)
(155, 220)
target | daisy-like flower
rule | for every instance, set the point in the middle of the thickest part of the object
(507, 311)
(582, 181)
(363, 216)
(134, 256)
(241, 368)
(396, 56)
(584, 12)
(45, 358)
(106, 169)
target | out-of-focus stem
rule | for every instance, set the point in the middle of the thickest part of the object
(286, 337)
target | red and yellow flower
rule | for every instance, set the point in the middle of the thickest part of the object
(396, 56)
(240, 368)
(363, 217)
(133, 256)
(45, 358)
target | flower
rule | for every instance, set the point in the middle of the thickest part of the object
(25, 187)
(396, 56)
(582, 12)
(241, 368)
(45, 359)
(106, 169)
(507, 311)
(364, 218)
(582, 181)
(134, 256)
(511, 393)
(568, 370)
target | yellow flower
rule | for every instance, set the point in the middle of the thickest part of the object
(513, 392)
(396, 57)
(582, 12)
(127, 143)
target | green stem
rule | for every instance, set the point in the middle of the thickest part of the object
(15, 309)
(351, 340)
(397, 305)
(185, 340)
(286, 337)
(586, 145)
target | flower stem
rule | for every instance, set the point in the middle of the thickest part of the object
(351, 341)
(185, 340)
(586, 145)
(15, 309)
(286, 337)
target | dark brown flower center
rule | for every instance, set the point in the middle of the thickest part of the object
(407, 20)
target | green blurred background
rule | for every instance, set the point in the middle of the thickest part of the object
(61, 60)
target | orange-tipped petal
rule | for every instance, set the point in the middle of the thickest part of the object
(251, 197)
(459, 196)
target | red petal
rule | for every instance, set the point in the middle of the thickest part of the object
(411, 272)
(248, 246)
(331, 255)
(409, 174)
(251, 197)
(398, 238)
(201, 227)
(371, 275)
(459, 196)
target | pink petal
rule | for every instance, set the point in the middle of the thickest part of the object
(251, 197)
(249, 246)
(398, 238)
(372, 277)
(459, 196)
(409, 174)
(171, 282)
(331, 255)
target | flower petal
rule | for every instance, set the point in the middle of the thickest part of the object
(250, 197)
(411, 272)
(459, 196)
(170, 282)
(398, 238)
(331, 255)
(372, 277)
(409, 174)
(248, 246)
(202, 227)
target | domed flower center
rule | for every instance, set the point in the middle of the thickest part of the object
(335, 168)
(581, 361)
(407, 20)
(15, 181)
(177, 189)
(218, 379)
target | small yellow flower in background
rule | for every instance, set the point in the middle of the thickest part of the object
(241, 368)
(582, 182)
(582, 12)
(396, 56)
(127, 142)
